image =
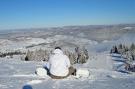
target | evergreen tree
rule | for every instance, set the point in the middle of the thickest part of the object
(115, 49)
(132, 47)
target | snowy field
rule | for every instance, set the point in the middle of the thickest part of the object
(17, 74)
(106, 71)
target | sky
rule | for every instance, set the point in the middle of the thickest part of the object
(18, 14)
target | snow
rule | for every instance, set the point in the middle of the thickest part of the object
(127, 27)
(82, 73)
(22, 43)
(71, 39)
(105, 71)
(35, 41)
(17, 74)
(133, 63)
(41, 72)
(100, 61)
(9, 46)
(23, 75)
(34, 82)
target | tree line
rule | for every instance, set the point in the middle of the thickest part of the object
(126, 52)
(80, 55)
(4, 54)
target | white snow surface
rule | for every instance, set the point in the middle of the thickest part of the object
(19, 43)
(17, 74)
(103, 67)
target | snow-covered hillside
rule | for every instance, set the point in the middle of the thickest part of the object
(106, 70)
(17, 74)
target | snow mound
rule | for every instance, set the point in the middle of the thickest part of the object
(82, 73)
(35, 82)
(41, 72)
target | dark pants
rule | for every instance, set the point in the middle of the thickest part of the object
(72, 71)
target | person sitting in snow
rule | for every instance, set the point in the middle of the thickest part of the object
(59, 65)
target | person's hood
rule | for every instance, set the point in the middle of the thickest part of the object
(57, 51)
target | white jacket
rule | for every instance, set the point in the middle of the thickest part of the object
(59, 63)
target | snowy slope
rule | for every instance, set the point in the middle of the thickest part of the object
(103, 67)
(17, 74)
